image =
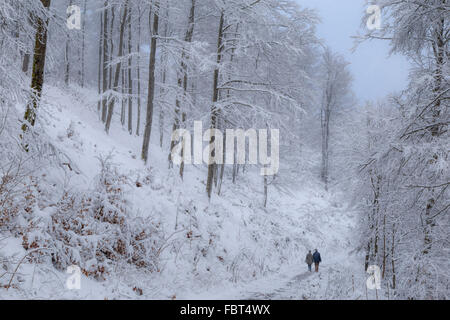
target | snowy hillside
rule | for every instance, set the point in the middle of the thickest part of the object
(167, 149)
(230, 247)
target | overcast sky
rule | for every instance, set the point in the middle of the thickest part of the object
(375, 72)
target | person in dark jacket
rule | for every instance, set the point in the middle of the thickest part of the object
(309, 260)
(317, 259)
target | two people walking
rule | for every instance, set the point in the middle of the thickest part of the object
(313, 258)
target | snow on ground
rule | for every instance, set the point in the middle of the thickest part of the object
(236, 250)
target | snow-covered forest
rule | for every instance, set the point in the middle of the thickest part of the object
(96, 95)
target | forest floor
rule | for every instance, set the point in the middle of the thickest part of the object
(240, 250)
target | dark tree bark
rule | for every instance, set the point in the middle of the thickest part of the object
(66, 57)
(111, 47)
(151, 86)
(130, 79)
(325, 126)
(214, 111)
(123, 102)
(266, 187)
(83, 45)
(37, 79)
(138, 120)
(105, 61)
(100, 62)
(393, 258)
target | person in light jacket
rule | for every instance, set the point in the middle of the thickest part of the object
(309, 260)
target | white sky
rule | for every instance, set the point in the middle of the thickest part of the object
(375, 73)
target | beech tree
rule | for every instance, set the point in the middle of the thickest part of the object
(151, 83)
(336, 88)
(39, 56)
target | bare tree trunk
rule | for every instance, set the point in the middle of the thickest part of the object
(235, 165)
(122, 100)
(66, 57)
(105, 61)
(67, 65)
(138, 121)
(118, 67)
(393, 258)
(100, 62)
(164, 61)
(371, 218)
(183, 82)
(83, 45)
(428, 226)
(222, 167)
(161, 109)
(164, 77)
(325, 141)
(183, 150)
(212, 166)
(224, 121)
(37, 79)
(111, 47)
(130, 79)
(176, 125)
(266, 182)
(367, 257)
(376, 212)
(265, 191)
(151, 86)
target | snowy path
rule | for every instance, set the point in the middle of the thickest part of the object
(339, 275)
(329, 283)
(288, 291)
(329, 228)
(291, 283)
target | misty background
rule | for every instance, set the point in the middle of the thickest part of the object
(376, 72)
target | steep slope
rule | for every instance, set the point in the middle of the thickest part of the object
(230, 247)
